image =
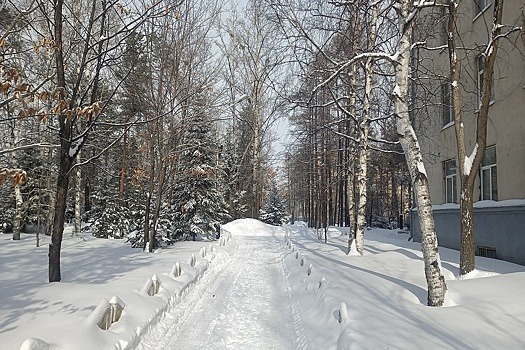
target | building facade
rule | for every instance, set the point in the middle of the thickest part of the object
(500, 185)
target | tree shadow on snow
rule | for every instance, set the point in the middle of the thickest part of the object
(24, 286)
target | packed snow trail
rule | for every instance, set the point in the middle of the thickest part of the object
(242, 302)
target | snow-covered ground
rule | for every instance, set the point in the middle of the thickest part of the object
(259, 291)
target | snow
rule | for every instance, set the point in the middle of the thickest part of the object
(483, 204)
(469, 160)
(448, 125)
(421, 168)
(494, 204)
(253, 293)
(397, 91)
(73, 150)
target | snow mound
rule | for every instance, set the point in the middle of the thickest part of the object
(36, 344)
(252, 227)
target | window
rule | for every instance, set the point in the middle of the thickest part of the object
(487, 252)
(489, 175)
(480, 64)
(444, 26)
(446, 103)
(480, 6)
(450, 181)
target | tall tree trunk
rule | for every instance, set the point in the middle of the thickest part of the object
(256, 167)
(156, 212)
(364, 127)
(435, 281)
(78, 198)
(469, 165)
(351, 175)
(60, 211)
(17, 219)
(350, 192)
(151, 190)
(362, 189)
(17, 222)
(123, 167)
(66, 161)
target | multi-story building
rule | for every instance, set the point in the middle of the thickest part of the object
(499, 214)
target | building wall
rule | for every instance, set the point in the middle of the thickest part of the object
(498, 227)
(506, 129)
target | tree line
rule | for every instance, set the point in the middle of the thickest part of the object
(134, 116)
(359, 65)
(156, 117)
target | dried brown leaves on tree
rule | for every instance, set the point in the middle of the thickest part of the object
(16, 176)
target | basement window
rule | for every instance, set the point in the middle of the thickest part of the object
(487, 252)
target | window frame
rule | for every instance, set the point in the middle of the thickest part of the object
(450, 175)
(481, 74)
(478, 9)
(444, 26)
(490, 168)
(447, 104)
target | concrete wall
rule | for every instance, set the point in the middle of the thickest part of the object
(499, 227)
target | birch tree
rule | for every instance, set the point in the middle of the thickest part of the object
(364, 127)
(255, 58)
(17, 177)
(407, 12)
(404, 12)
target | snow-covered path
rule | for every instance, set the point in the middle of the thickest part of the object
(243, 301)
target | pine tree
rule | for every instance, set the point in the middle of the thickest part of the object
(273, 211)
(198, 203)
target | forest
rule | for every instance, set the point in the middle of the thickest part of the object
(155, 121)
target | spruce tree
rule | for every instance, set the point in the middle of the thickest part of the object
(199, 205)
(231, 181)
(109, 217)
(273, 211)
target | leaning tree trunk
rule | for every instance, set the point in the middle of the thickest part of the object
(435, 279)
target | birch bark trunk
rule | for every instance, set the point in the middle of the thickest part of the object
(435, 280)
(364, 129)
(17, 222)
(17, 217)
(78, 197)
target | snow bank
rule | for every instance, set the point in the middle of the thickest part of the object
(378, 300)
(36, 344)
(32, 310)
